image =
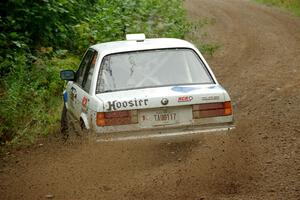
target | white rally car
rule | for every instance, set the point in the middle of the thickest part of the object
(145, 87)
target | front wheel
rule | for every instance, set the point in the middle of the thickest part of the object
(64, 123)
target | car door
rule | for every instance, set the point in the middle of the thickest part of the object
(79, 90)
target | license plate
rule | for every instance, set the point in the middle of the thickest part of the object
(164, 118)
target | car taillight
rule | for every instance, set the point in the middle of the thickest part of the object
(116, 118)
(212, 110)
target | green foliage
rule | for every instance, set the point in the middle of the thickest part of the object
(291, 5)
(198, 36)
(155, 18)
(29, 104)
(39, 38)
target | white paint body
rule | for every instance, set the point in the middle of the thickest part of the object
(147, 101)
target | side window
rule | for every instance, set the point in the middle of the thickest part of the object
(83, 65)
(86, 84)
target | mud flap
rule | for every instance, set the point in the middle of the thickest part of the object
(84, 118)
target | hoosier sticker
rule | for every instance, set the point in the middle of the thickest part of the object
(115, 105)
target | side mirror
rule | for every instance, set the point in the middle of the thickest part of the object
(67, 75)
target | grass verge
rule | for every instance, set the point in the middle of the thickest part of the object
(291, 5)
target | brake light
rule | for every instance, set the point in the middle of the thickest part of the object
(212, 110)
(100, 119)
(227, 108)
(116, 118)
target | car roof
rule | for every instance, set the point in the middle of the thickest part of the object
(147, 44)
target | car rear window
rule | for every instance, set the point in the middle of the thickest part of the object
(151, 68)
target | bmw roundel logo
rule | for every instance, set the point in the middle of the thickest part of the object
(164, 101)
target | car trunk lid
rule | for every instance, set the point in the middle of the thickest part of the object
(171, 96)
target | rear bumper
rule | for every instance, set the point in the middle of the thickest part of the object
(160, 133)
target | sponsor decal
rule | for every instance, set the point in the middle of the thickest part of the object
(73, 94)
(185, 99)
(84, 101)
(184, 89)
(164, 101)
(209, 98)
(115, 105)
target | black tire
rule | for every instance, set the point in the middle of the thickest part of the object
(64, 123)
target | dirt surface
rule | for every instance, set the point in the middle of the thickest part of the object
(259, 64)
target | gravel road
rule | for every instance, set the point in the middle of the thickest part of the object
(259, 64)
